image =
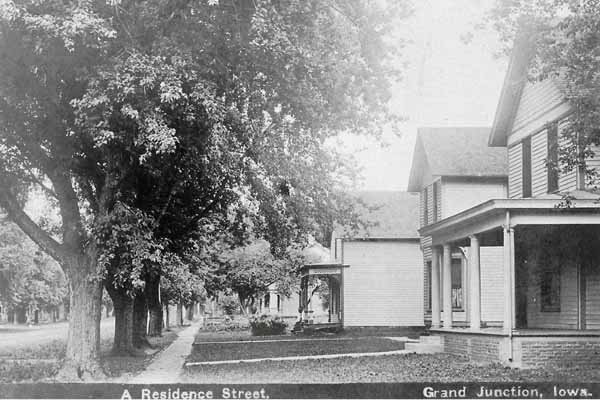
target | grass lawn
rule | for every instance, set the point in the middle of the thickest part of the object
(250, 349)
(40, 362)
(225, 335)
(396, 368)
(118, 365)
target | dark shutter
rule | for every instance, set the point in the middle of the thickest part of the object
(527, 167)
(434, 209)
(425, 208)
(552, 162)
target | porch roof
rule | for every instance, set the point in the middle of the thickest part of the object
(322, 269)
(493, 214)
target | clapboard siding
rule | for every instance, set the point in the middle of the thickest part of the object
(539, 170)
(566, 318)
(592, 300)
(464, 194)
(383, 284)
(593, 163)
(540, 103)
(515, 167)
(537, 98)
(492, 283)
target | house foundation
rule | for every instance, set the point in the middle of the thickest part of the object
(524, 349)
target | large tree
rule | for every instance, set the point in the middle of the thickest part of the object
(154, 109)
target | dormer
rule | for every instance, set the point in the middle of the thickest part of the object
(453, 169)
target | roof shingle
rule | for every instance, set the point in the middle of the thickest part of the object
(456, 151)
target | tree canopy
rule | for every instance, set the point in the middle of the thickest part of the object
(147, 122)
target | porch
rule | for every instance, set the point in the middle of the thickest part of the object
(325, 280)
(549, 280)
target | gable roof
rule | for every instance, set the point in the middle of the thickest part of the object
(455, 151)
(390, 215)
(512, 88)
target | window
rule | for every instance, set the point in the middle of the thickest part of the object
(552, 162)
(425, 208)
(435, 194)
(550, 290)
(457, 291)
(526, 148)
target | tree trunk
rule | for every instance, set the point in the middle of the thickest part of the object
(243, 304)
(179, 314)
(190, 312)
(123, 309)
(155, 322)
(83, 343)
(140, 320)
(167, 316)
(21, 315)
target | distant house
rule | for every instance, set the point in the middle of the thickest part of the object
(548, 268)
(275, 303)
(376, 274)
(453, 169)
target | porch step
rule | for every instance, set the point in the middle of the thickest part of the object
(424, 348)
(433, 339)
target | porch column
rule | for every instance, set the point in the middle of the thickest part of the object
(508, 279)
(447, 282)
(273, 302)
(474, 283)
(436, 317)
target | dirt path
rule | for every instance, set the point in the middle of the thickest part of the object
(167, 366)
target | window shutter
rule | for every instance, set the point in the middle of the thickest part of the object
(552, 163)
(527, 167)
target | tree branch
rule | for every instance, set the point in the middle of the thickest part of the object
(9, 202)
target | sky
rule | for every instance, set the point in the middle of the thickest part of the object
(447, 83)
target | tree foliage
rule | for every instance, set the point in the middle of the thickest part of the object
(146, 121)
(28, 277)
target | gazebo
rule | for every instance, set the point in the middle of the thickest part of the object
(332, 273)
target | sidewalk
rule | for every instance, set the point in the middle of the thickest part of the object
(167, 366)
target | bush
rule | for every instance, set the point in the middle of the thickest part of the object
(266, 325)
(229, 305)
(226, 324)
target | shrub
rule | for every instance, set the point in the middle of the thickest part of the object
(226, 324)
(266, 325)
(229, 305)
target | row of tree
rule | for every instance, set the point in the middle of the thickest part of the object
(30, 281)
(171, 134)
